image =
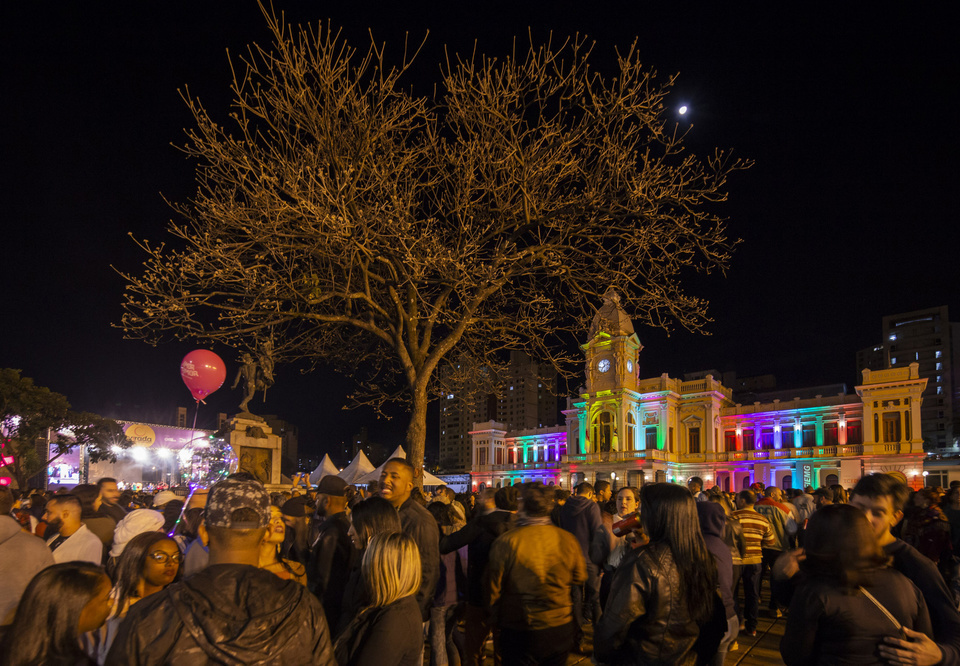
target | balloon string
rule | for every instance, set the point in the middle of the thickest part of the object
(183, 510)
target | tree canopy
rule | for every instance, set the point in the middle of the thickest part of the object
(29, 414)
(346, 218)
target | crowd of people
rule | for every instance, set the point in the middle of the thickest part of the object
(387, 575)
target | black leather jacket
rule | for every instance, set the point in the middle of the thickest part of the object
(646, 620)
(230, 614)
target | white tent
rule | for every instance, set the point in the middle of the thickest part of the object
(325, 467)
(428, 478)
(360, 466)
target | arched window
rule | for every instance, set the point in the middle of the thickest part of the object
(631, 444)
(603, 431)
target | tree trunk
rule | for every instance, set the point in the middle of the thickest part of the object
(417, 432)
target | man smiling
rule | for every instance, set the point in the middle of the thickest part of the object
(396, 484)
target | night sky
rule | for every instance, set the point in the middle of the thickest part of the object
(849, 213)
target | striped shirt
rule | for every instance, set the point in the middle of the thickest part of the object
(757, 532)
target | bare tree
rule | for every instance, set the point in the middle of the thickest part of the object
(347, 218)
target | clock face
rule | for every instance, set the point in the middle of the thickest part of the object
(629, 366)
(603, 365)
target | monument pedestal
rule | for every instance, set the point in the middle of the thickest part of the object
(256, 447)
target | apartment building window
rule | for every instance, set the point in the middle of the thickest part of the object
(693, 439)
(748, 437)
(809, 434)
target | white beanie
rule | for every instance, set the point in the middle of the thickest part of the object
(163, 497)
(135, 522)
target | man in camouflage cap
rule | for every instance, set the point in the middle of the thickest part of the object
(230, 612)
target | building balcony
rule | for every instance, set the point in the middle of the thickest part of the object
(619, 456)
(517, 467)
(850, 450)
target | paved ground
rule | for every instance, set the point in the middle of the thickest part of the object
(764, 650)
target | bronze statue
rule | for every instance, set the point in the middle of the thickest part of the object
(257, 375)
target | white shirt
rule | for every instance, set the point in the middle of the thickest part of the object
(82, 545)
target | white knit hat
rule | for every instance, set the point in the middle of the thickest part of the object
(163, 497)
(135, 522)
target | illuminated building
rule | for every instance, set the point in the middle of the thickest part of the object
(632, 431)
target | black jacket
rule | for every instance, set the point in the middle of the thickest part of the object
(581, 517)
(829, 626)
(388, 636)
(226, 614)
(478, 535)
(646, 621)
(943, 612)
(944, 618)
(330, 564)
(418, 523)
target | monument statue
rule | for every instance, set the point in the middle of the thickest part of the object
(257, 374)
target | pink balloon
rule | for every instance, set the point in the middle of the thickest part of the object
(203, 372)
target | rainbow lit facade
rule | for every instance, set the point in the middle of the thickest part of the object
(632, 431)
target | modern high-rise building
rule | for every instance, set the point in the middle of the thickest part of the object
(528, 400)
(928, 338)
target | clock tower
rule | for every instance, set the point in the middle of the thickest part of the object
(609, 417)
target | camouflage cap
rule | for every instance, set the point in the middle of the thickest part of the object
(229, 495)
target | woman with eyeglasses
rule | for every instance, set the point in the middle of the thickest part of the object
(270, 558)
(149, 562)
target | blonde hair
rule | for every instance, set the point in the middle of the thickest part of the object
(391, 568)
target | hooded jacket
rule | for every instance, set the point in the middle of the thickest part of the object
(713, 523)
(581, 517)
(227, 614)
